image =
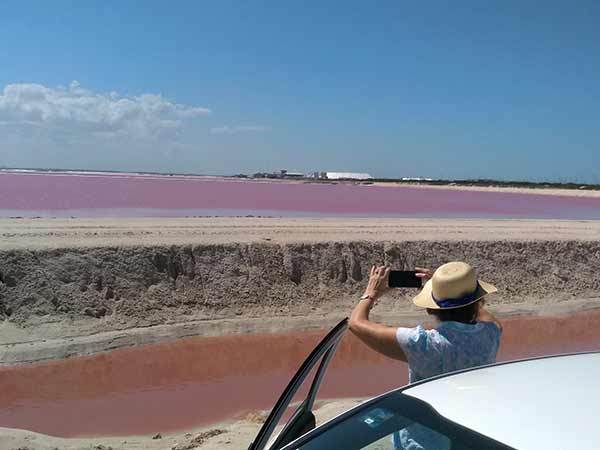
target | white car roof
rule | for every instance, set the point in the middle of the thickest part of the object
(548, 403)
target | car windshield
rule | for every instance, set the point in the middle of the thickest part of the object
(394, 422)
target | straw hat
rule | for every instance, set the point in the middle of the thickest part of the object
(453, 285)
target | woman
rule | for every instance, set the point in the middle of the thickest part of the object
(465, 334)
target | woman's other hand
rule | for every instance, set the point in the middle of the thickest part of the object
(378, 282)
(423, 273)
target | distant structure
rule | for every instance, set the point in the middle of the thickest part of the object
(348, 176)
(283, 173)
(416, 179)
(286, 174)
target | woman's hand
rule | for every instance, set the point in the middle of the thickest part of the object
(423, 273)
(380, 338)
(378, 282)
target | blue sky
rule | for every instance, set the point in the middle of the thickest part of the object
(506, 89)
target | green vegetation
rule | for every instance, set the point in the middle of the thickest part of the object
(497, 183)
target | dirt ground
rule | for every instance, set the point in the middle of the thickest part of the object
(81, 286)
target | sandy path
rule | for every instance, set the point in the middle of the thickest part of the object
(581, 192)
(71, 233)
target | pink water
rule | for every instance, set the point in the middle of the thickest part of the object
(128, 195)
(203, 380)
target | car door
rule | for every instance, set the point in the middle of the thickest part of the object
(303, 419)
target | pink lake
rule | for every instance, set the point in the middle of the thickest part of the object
(42, 194)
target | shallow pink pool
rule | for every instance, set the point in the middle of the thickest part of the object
(198, 381)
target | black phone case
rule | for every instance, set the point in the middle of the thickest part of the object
(404, 278)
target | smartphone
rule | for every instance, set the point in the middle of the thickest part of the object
(404, 278)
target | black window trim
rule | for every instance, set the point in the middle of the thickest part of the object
(323, 353)
(425, 409)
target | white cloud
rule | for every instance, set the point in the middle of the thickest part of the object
(240, 129)
(76, 110)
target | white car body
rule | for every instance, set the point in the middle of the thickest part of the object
(546, 403)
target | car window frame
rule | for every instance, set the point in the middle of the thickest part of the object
(424, 409)
(322, 353)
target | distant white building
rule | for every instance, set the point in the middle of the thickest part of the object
(284, 173)
(416, 179)
(348, 176)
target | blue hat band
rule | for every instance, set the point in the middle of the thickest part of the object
(455, 302)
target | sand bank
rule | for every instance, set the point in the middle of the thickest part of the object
(34, 234)
(80, 286)
(581, 192)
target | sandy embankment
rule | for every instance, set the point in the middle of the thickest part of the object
(76, 287)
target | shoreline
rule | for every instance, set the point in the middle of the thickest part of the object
(552, 191)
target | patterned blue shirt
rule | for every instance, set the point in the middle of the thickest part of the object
(449, 347)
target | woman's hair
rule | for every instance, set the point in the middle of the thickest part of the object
(465, 314)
